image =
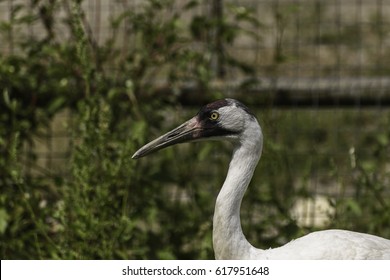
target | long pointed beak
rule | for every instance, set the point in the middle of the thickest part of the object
(188, 131)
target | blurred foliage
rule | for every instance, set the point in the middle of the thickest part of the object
(305, 155)
(108, 206)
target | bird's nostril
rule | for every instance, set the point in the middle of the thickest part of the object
(172, 135)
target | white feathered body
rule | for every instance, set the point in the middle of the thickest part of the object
(329, 245)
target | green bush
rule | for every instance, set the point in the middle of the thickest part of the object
(106, 205)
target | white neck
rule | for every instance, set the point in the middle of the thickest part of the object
(228, 239)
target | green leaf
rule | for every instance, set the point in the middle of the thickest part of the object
(56, 104)
(4, 218)
(354, 207)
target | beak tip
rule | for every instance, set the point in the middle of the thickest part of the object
(180, 134)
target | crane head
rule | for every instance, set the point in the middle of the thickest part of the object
(225, 118)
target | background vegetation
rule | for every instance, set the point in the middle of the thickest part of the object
(98, 203)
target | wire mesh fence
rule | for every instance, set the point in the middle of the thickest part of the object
(304, 53)
(292, 38)
(316, 73)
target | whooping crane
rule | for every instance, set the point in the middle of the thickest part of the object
(231, 120)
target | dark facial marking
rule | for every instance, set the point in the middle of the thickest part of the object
(212, 128)
(216, 105)
(205, 112)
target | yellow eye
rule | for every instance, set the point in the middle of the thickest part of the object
(214, 116)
